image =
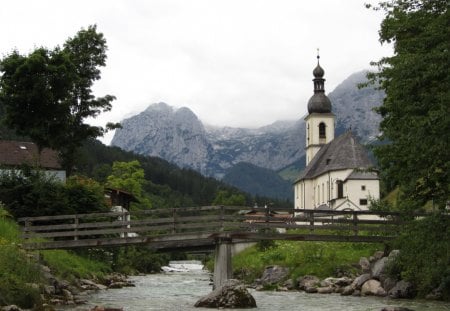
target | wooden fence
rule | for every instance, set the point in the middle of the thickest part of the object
(203, 226)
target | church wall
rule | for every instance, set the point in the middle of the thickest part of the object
(360, 191)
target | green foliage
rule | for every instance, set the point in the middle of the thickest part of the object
(55, 86)
(167, 185)
(84, 195)
(16, 270)
(224, 197)
(70, 266)
(132, 259)
(424, 256)
(129, 176)
(32, 193)
(415, 111)
(322, 259)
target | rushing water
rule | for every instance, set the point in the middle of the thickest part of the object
(180, 291)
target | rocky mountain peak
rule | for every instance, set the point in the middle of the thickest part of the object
(177, 135)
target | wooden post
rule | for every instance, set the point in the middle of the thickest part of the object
(222, 262)
(355, 223)
(221, 218)
(76, 222)
(311, 221)
(174, 220)
(125, 220)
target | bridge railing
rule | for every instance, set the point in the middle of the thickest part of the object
(206, 222)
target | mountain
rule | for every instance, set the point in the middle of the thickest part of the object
(258, 181)
(178, 136)
(353, 107)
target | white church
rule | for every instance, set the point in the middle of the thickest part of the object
(339, 174)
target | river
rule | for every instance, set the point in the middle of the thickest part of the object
(180, 291)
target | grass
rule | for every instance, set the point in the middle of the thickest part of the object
(20, 272)
(70, 266)
(322, 259)
(17, 270)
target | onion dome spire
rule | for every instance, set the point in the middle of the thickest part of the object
(319, 102)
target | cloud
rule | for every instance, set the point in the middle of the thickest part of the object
(236, 63)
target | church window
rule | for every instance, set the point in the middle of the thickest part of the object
(340, 189)
(363, 187)
(322, 130)
(323, 194)
(318, 194)
(362, 201)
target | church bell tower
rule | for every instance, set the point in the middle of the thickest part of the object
(320, 119)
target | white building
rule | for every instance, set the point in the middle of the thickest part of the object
(339, 174)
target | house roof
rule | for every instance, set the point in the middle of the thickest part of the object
(343, 152)
(15, 153)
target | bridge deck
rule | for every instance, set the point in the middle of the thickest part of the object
(202, 227)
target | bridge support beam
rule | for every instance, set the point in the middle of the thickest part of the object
(222, 262)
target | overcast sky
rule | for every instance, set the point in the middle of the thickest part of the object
(240, 63)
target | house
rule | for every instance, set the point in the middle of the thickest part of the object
(14, 154)
(339, 174)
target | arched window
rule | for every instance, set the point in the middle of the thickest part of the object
(322, 130)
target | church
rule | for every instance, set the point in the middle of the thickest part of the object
(339, 174)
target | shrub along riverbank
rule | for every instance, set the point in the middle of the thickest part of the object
(22, 275)
(322, 259)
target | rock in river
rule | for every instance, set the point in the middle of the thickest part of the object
(232, 294)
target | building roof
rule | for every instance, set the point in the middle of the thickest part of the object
(15, 153)
(343, 152)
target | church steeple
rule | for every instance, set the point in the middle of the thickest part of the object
(319, 102)
(320, 120)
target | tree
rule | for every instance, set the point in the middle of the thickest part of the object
(129, 176)
(47, 94)
(416, 79)
(223, 197)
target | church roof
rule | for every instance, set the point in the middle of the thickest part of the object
(343, 152)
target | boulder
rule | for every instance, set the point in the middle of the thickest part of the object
(389, 283)
(232, 294)
(364, 263)
(360, 280)
(90, 285)
(378, 255)
(11, 308)
(308, 281)
(402, 289)
(289, 284)
(437, 293)
(310, 290)
(274, 275)
(378, 270)
(356, 293)
(325, 290)
(67, 295)
(343, 281)
(347, 290)
(372, 288)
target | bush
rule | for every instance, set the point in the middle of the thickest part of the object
(322, 259)
(424, 254)
(17, 272)
(68, 265)
(28, 193)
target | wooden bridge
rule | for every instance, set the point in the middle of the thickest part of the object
(211, 227)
